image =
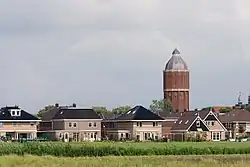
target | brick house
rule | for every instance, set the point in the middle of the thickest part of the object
(16, 123)
(237, 122)
(71, 123)
(138, 123)
(213, 128)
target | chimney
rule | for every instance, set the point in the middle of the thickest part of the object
(56, 105)
(74, 105)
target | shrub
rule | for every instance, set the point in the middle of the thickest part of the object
(69, 150)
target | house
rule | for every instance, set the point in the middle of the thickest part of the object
(189, 125)
(170, 119)
(138, 123)
(204, 121)
(16, 123)
(71, 123)
(237, 122)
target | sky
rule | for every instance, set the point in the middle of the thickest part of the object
(113, 52)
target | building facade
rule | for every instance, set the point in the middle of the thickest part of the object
(16, 123)
(71, 123)
(138, 123)
(176, 82)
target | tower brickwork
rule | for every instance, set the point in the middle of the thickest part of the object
(176, 82)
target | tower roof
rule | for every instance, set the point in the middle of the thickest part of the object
(176, 62)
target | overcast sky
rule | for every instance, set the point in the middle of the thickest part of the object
(113, 52)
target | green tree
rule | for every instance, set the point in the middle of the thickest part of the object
(161, 105)
(225, 110)
(121, 109)
(248, 107)
(100, 109)
(44, 110)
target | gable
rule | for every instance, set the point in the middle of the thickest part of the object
(195, 127)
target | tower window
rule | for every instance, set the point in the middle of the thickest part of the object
(198, 123)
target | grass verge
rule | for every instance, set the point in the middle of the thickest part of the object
(139, 161)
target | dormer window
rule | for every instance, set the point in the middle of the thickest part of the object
(15, 112)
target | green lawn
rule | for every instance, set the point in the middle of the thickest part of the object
(139, 161)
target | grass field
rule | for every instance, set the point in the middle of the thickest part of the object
(139, 161)
(99, 149)
(166, 144)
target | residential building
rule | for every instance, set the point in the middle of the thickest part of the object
(237, 122)
(170, 119)
(176, 82)
(138, 123)
(16, 123)
(209, 125)
(71, 123)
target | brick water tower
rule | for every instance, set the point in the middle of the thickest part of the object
(176, 82)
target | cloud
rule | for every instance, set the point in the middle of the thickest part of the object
(113, 52)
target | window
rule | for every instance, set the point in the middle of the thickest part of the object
(94, 124)
(139, 124)
(74, 125)
(32, 124)
(90, 124)
(14, 123)
(17, 112)
(13, 112)
(212, 123)
(198, 123)
(70, 125)
(155, 124)
(216, 136)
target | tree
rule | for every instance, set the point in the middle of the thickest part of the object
(241, 129)
(44, 110)
(100, 109)
(121, 109)
(225, 110)
(161, 105)
(248, 107)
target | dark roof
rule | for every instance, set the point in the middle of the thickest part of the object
(6, 115)
(170, 115)
(235, 115)
(184, 122)
(76, 113)
(47, 116)
(139, 113)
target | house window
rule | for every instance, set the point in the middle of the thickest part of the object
(139, 124)
(213, 123)
(153, 124)
(74, 125)
(216, 136)
(32, 124)
(14, 123)
(90, 124)
(94, 124)
(198, 123)
(70, 125)
(18, 113)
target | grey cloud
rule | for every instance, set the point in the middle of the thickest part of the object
(113, 52)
